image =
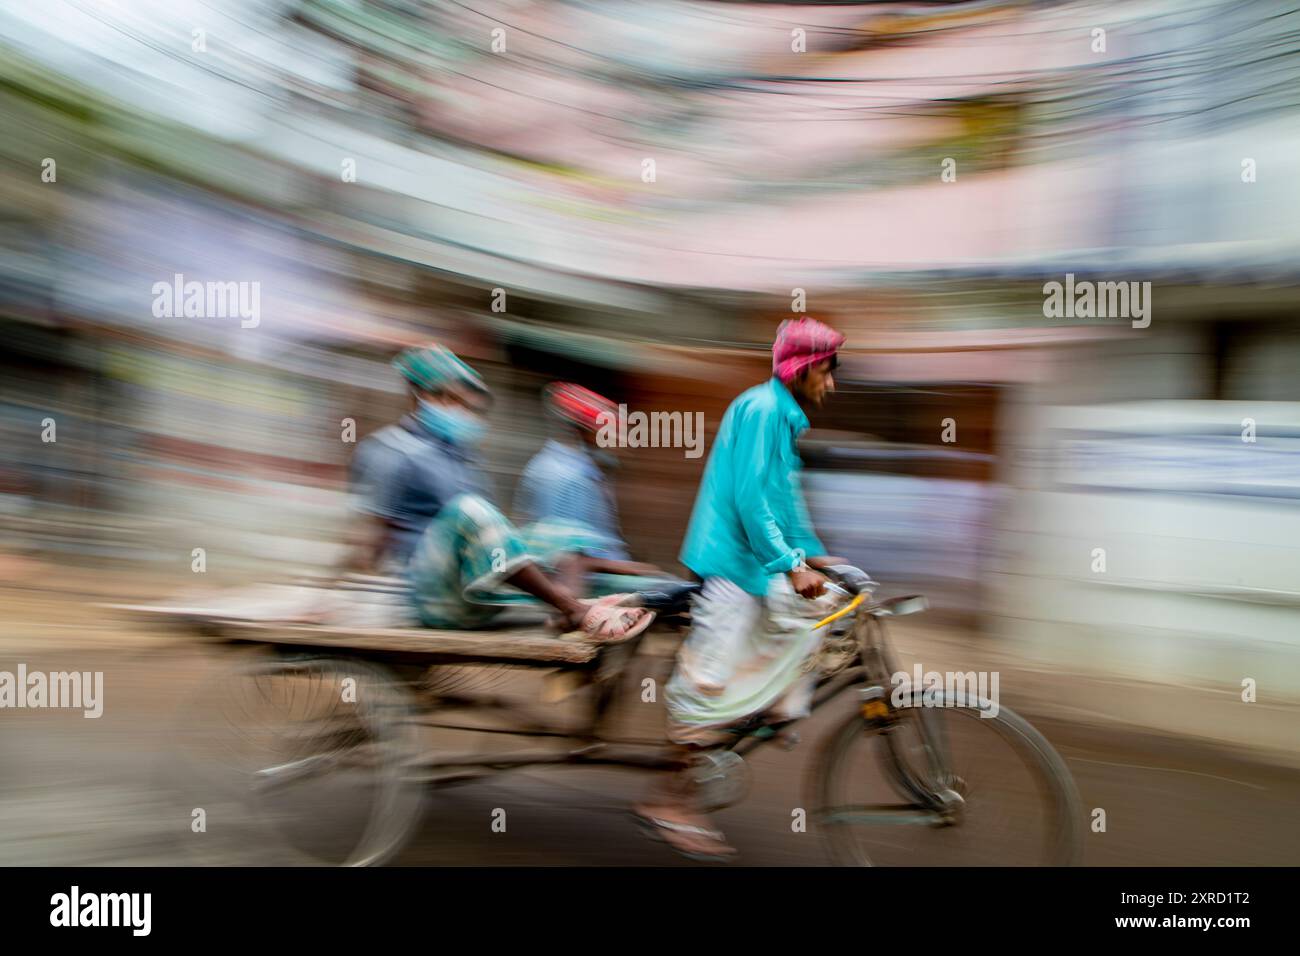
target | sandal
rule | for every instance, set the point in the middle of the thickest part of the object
(656, 828)
(607, 620)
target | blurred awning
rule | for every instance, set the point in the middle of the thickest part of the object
(604, 349)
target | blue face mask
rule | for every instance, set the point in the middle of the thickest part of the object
(452, 425)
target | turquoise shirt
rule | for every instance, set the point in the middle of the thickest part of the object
(750, 515)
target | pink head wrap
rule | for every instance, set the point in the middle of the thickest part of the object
(800, 343)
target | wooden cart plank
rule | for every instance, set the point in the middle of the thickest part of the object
(517, 645)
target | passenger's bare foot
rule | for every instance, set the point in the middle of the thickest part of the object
(606, 619)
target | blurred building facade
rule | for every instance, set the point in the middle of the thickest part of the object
(381, 169)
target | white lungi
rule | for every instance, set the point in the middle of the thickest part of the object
(744, 655)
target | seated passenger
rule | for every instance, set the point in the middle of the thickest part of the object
(565, 487)
(426, 515)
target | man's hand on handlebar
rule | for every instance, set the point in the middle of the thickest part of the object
(811, 578)
(807, 582)
(854, 580)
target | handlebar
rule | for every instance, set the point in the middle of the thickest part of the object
(853, 580)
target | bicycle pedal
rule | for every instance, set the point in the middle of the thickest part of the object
(875, 709)
(875, 705)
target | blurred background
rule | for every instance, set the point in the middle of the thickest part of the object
(632, 195)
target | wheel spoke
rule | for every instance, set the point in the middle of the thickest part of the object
(878, 814)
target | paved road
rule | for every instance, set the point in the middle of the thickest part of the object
(82, 791)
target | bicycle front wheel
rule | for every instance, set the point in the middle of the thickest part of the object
(963, 784)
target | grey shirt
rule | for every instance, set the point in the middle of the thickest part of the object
(564, 483)
(404, 474)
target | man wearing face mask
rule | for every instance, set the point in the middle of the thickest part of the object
(427, 516)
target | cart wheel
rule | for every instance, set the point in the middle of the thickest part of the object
(298, 760)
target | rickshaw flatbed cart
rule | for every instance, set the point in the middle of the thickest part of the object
(320, 744)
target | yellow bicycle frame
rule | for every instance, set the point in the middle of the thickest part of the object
(847, 609)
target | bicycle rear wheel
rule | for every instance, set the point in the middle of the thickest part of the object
(300, 760)
(946, 786)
